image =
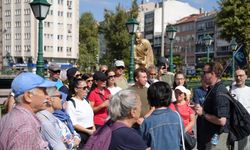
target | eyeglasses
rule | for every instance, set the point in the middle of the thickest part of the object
(153, 74)
(103, 70)
(120, 67)
(109, 77)
(84, 88)
(56, 96)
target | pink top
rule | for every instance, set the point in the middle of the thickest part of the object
(20, 129)
(185, 111)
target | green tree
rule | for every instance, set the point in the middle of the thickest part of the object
(116, 35)
(234, 20)
(88, 38)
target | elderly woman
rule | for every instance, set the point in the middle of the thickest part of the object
(125, 108)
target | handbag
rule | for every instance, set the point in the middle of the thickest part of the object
(190, 140)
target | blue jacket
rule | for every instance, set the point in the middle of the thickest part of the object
(161, 130)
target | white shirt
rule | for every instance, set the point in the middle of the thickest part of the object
(82, 114)
(242, 95)
(114, 90)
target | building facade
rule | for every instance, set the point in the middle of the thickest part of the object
(60, 32)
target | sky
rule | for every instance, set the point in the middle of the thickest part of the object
(96, 7)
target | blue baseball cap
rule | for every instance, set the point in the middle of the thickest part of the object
(28, 81)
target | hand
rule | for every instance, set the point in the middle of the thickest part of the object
(198, 109)
(76, 141)
(140, 121)
(105, 103)
(91, 131)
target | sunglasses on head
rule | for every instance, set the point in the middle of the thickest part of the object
(120, 67)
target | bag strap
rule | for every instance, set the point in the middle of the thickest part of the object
(228, 96)
(182, 133)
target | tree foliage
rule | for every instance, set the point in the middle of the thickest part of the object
(116, 35)
(234, 19)
(88, 38)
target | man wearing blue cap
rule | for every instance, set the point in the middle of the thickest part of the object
(20, 128)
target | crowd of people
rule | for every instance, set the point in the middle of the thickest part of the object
(157, 112)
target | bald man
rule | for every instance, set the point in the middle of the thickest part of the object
(241, 93)
(144, 56)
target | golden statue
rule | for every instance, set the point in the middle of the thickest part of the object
(144, 56)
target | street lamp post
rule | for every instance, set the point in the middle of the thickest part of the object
(171, 31)
(132, 26)
(208, 41)
(40, 10)
(233, 45)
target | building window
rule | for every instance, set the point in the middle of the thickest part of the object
(7, 1)
(26, 36)
(69, 14)
(7, 36)
(27, 23)
(26, 1)
(27, 48)
(27, 11)
(18, 12)
(7, 24)
(69, 49)
(18, 1)
(59, 49)
(60, 2)
(60, 13)
(17, 36)
(18, 48)
(7, 48)
(18, 24)
(7, 13)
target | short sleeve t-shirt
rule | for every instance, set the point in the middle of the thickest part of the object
(126, 139)
(98, 98)
(185, 111)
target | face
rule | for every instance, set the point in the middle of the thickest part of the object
(78, 75)
(101, 84)
(89, 82)
(38, 99)
(179, 80)
(138, 38)
(152, 74)
(119, 70)
(240, 77)
(81, 89)
(56, 100)
(180, 96)
(104, 69)
(208, 75)
(141, 79)
(111, 78)
(54, 75)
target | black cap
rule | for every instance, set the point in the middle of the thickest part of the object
(100, 76)
(71, 72)
(162, 61)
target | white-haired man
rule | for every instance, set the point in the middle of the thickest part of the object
(20, 128)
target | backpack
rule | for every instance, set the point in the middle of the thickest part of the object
(102, 137)
(239, 122)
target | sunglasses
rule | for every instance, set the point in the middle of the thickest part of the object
(103, 71)
(120, 67)
(89, 80)
(56, 71)
(84, 88)
(152, 74)
(78, 75)
(109, 77)
(56, 96)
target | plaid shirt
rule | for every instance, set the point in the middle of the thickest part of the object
(20, 129)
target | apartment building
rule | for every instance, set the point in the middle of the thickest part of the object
(60, 32)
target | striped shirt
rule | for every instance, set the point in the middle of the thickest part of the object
(20, 129)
